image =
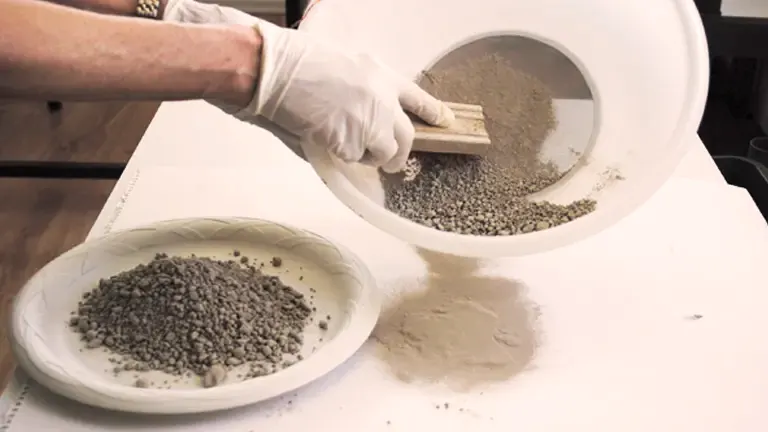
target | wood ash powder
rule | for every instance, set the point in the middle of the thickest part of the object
(486, 195)
(199, 315)
(463, 329)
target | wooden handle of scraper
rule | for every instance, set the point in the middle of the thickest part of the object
(466, 135)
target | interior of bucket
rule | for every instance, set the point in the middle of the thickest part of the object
(534, 88)
(540, 114)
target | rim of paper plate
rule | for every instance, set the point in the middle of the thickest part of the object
(342, 265)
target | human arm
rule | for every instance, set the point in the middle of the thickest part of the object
(109, 7)
(314, 93)
(306, 91)
(55, 52)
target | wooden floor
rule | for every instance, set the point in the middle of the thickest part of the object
(40, 219)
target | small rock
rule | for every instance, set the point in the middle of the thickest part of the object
(215, 376)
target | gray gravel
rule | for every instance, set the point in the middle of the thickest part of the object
(195, 315)
(486, 195)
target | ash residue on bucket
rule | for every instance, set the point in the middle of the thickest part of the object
(487, 195)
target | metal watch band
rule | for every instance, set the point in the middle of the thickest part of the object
(148, 9)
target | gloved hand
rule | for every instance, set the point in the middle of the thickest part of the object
(349, 104)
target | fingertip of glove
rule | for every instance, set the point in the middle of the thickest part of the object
(393, 166)
(445, 117)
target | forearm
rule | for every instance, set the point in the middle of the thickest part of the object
(49, 51)
(110, 7)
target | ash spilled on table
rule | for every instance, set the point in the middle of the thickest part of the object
(460, 328)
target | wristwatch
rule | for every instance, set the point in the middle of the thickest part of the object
(148, 9)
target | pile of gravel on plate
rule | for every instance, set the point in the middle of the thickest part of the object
(486, 195)
(199, 315)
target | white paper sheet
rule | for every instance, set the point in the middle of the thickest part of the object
(618, 351)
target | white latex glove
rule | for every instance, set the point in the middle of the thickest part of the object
(349, 104)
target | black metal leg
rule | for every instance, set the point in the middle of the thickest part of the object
(736, 36)
(54, 106)
(709, 6)
(294, 9)
(62, 170)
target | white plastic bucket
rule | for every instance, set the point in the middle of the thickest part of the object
(646, 62)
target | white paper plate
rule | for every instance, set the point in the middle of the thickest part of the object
(49, 351)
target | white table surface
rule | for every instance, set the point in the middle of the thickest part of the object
(193, 159)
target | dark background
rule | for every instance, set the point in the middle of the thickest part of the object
(738, 49)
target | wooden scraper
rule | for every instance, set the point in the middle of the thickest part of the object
(467, 135)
